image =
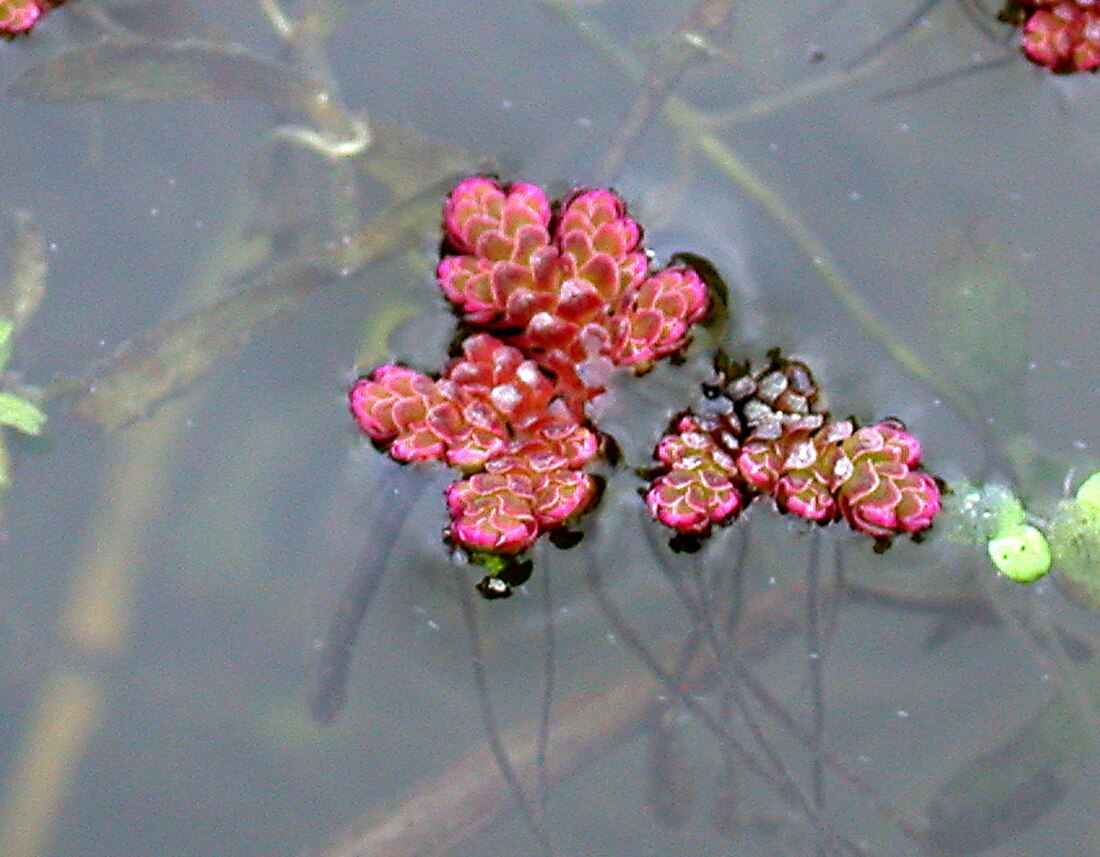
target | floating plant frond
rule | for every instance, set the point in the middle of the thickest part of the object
(570, 299)
(765, 434)
(18, 17)
(1060, 35)
(1024, 548)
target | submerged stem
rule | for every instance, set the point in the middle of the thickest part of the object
(692, 123)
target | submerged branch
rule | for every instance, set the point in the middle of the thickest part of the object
(162, 363)
(692, 123)
(462, 801)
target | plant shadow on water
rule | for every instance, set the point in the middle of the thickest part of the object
(783, 690)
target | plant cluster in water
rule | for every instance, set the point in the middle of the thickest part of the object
(18, 17)
(1061, 35)
(562, 298)
(765, 434)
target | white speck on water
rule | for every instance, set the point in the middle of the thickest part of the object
(855, 195)
(1080, 444)
(937, 403)
(433, 624)
(903, 127)
(772, 581)
(584, 122)
(506, 104)
(200, 224)
(612, 639)
(773, 147)
(54, 247)
(902, 713)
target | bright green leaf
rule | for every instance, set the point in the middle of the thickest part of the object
(1022, 554)
(1088, 495)
(20, 414)
(7, 327)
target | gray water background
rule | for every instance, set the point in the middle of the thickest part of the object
(206, 746)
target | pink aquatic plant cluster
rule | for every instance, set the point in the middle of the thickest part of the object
(572, 290)
(1061, 35)
(763, 434)
(19, 16)
(564, 297)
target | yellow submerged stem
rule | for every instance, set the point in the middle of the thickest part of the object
(97, 618)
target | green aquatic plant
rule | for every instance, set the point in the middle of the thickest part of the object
(20, 297)
(1024, 547)
(17, 410)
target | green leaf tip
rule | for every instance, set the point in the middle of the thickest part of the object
(7, 328)
(1088, 495)
(20, 414)
(1021, 554)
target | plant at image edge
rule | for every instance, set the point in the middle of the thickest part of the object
(18, 17)
(1060, 35)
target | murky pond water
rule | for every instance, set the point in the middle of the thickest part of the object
(164, 585)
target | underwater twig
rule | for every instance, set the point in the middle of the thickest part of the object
(542, 741)
(689, 121)
(705, 17)
(894, 36)
(947, 77)
(817, 692)
(453, 807)
(166, 360)
(492, 732)
(697, 605)
(334, 657)
(779, 779)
